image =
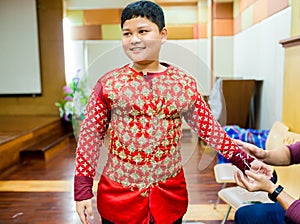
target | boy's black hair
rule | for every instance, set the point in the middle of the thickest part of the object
(144, 8)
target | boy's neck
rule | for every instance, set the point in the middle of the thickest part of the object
(149, 67)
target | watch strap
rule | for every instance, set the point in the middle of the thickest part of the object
(275, 193)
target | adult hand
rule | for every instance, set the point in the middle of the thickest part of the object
(251, 149)
(82, 207)
(253, 181)
(257, 166)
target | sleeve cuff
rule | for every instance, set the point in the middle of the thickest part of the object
(83, 188)
(295, 153)
(293, 212)
(241, 160)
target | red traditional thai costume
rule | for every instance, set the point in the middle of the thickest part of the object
(143, 177)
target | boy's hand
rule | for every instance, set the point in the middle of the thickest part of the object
(251, 149)
(82, 207)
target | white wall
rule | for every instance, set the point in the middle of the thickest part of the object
(258, 54)
(99, 57)
(252, 54)
(191, 56)
(223, 56)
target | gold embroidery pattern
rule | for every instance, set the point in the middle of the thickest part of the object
(146, 125)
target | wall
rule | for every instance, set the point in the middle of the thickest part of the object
(250, 23)
(257, 54)
(223, 39)
(100, 23)
(95, 58)
(223, 56)
(93, 34)
(246, 43)
(51, 63)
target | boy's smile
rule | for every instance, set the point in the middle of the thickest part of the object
(142, 40)
(137, 49)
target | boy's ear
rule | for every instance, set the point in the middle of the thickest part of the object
(164, 35)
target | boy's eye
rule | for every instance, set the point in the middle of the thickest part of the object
(126, 34)
(143, 31)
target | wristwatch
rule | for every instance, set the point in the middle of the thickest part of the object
(275, 193)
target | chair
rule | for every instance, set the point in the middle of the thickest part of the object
(224, 173)
(236, 196)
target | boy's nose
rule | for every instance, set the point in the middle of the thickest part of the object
(135, 39)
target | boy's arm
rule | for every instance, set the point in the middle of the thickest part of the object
(91, 137)
(201, 120)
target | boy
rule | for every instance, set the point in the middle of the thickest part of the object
(143, 102)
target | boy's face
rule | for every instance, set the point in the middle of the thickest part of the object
(142, 40)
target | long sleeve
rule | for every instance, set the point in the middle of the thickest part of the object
(91, 137)
(202, 122)
(293, 212)
(295, 153)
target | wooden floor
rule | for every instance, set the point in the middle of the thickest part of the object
(40, 192)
